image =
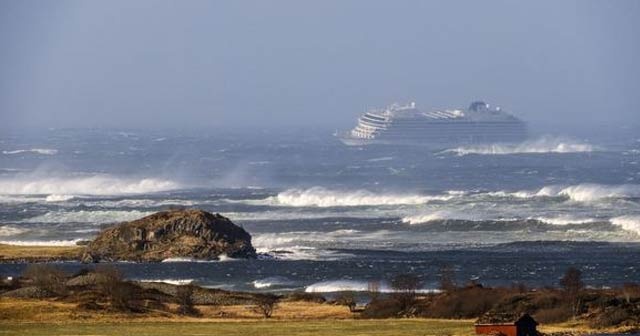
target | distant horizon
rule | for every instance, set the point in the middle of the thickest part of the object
(158, 64)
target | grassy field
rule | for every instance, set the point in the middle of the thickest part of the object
(263, 328)
(51, 317)
(37, 253)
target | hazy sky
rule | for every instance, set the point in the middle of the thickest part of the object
(234, 63)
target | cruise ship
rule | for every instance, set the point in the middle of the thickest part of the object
(407, 125)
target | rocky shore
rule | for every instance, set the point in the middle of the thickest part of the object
(192, 233)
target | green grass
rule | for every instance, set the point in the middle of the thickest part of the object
(261, 328)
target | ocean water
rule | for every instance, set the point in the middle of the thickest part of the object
(327, 216)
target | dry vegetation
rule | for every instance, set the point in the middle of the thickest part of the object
(45, 294)
(39, 253)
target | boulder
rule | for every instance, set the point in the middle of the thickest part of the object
(192, 233)
(31, 292)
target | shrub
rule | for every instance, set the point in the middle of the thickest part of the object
(307, 297)
(554, 315)
(405, 286)
(347, 299)
(265, 304)
(610, 318)
(631, 291)
(47, 277)
(447, 278)
(185, 302)
(383, 308)
(110, 285)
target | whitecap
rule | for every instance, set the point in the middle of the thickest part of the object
(185, 260)
(542, 145)
(7, 231)
(58, 198)
(91, 185)
(384, 158)
(565, 219)
(333, 286)
(41, 151)
(87, 216)
(275, 281)
(179, 282)
(585, 192)
(322, 197)
(629, 223)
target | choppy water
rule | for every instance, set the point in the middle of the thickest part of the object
(337, 216)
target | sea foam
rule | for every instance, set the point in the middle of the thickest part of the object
(91, 185)
(321, 197)
(6, 231)
(586, 192)
(332, 286)
(42, 151)
(542, 145)
(87, 216)
(629, 223)
(170, 281)
(437, 216)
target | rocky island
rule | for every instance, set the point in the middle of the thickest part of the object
(192, 233)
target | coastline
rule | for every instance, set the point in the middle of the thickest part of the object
(232, 311)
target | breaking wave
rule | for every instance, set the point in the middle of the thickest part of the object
(585, 192)
(86, 216)
(58, 198)
(321, 197)
(628, 223)
(355, 286)
(269, 282)
(92, 185)
(564, 220)
(6, 231)
(437, 216)
(42, 151)
(169, 281)
(542, 145)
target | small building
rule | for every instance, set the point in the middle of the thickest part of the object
(506, 324)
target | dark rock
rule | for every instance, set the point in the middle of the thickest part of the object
(30, 292)
(193, 234)
(203, 296)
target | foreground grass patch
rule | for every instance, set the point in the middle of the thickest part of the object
(39, 253)
(394, 327)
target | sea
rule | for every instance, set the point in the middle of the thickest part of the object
(327, 217)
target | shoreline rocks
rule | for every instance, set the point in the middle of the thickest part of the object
(190, 233)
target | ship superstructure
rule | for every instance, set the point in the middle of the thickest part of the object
(406, 124)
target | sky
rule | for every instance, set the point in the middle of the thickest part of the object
(235, 64)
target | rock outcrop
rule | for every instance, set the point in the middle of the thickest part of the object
(192, 234)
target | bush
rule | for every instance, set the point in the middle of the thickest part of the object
(111, 286)
(383, 308)
(307, 297)
(610, 318)
(405, 286)
(554, 315)
(185, 302)
(265, 304)
(47, 277)
(347, 299)
(462, 303)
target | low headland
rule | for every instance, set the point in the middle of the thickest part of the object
(45, 299)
